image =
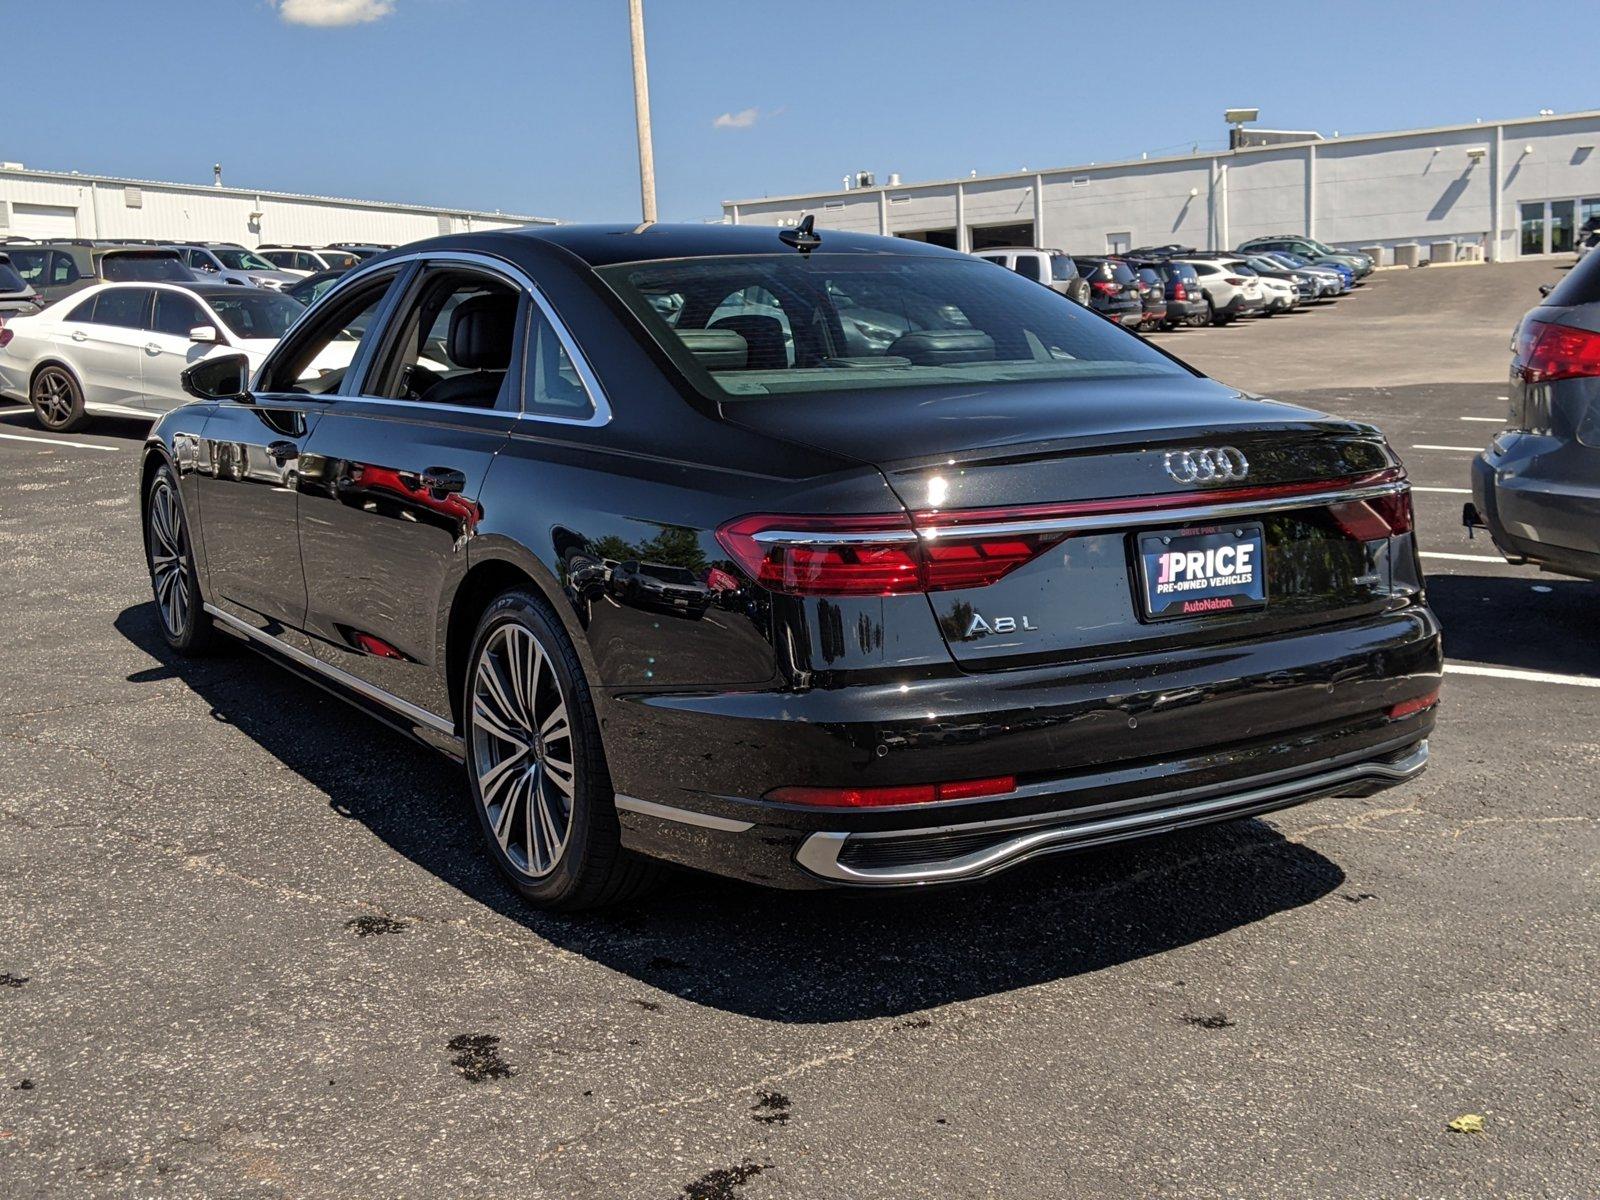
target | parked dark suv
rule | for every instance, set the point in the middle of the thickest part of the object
(17, 297)
(60, 268)
(1535, 486)
(1010, 583)
(1113, 289)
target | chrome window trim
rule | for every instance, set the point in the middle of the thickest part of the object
(597, 397)
(819, 853)
(389, 700)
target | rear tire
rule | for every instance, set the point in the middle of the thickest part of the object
(169, 554)
(535, 765)
(57, 400)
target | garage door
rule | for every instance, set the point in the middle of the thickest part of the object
(43, 220)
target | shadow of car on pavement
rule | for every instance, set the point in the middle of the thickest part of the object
(799, 957)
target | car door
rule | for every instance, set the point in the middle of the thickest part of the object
(105, 350)
(252, 467)
(392, 504)
(169, 349)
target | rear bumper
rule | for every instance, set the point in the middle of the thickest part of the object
(1102, 751)
(1533, 514)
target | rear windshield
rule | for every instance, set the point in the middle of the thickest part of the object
(10, 281)
(256, 314)
(1062, 268)
(1180, 271)
(760, 325)
(665, 573)
(1581, 285)
(144, 268)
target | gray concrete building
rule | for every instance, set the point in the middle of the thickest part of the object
(42, 204)
(1515, 188)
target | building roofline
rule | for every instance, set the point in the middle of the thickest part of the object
(1120, 164)
(205, 189)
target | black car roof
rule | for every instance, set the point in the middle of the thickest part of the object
(603, 245)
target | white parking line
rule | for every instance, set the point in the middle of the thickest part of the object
(28, 437)
(1588, 681)
(1489, 558)
(1447, 491)
(1495, 420)
(1457, 449)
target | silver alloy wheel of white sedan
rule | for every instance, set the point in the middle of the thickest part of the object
(522, 749)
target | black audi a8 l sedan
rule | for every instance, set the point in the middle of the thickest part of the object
(968, 575)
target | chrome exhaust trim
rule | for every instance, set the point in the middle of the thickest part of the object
(820, 853)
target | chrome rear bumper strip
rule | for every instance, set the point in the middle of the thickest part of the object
(820, 853)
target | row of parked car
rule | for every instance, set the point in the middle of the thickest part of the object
(107, 328)
(1163, 287)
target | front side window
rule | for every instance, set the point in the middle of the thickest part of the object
(867, 322)
(177, 314)
(29, 264)
(316, 361)
(454, 343)
(263, 316)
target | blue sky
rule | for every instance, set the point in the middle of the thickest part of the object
(526, 105)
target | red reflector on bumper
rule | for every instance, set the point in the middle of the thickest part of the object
(884, 797)
(1418, 704)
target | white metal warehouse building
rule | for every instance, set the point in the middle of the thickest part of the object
(40, 204)
(1515, 188)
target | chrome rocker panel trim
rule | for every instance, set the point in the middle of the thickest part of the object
(403, 708)
(820, 852)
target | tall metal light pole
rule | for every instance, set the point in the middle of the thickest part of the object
(641, 112)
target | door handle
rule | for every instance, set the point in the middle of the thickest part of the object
(152, 348)
(79, 335)
(282, 453)
(443, 481)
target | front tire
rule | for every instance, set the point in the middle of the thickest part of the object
(169, 554)
(535, 766)
(57, 400)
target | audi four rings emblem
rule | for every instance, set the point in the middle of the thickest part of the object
(1215, 464)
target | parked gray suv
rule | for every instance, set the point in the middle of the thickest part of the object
(1534, 487)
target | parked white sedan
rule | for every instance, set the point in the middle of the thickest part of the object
(119, 349)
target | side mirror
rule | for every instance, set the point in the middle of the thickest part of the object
(225, 377)
(1546, 288)
(204, 333)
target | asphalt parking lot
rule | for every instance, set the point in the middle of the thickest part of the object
(249, 948)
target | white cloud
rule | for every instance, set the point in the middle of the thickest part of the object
(328, 13)
(742, 119)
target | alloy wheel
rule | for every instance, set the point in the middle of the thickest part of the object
(53, 396)
(522, 749)
(169, 559)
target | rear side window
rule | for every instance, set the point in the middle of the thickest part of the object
(1028, 266)
(862, 323)
(1581, 285)
(64, 268)
(124, 308)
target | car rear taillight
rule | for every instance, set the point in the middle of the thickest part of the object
(872, 556)
(1179, 292)
(1375, 518)
(5, 334)
(1105, 287)
(1547, 352)
(884, 797)
(1235, 280)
